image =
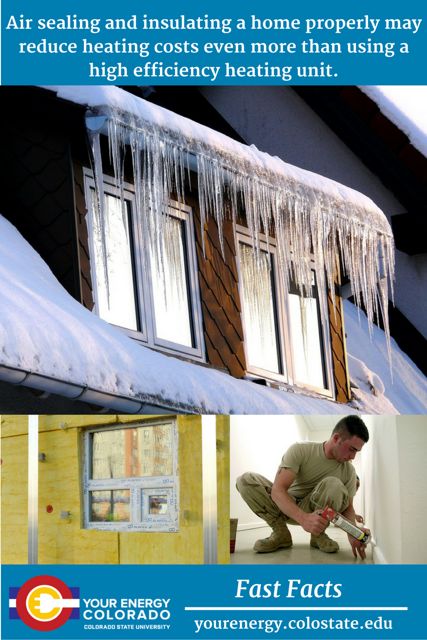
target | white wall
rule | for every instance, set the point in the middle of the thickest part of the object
(395, 478)
(381, 480)
(278, 121)
(257, 444)
(412, 446)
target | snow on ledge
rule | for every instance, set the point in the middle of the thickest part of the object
(406, 107)
(46, 331)
(120, 100)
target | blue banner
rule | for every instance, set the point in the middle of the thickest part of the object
(216, 43)
(182, 602)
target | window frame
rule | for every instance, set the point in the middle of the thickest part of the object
(144, 295)
(282, 337)
(137, 486)
(283, 324)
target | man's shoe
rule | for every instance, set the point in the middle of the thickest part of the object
(280, 538)
(324, 543)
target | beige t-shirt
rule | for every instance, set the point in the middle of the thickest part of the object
(308, 461)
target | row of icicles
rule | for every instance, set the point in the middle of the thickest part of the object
(311, 228)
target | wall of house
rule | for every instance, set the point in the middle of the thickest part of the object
(219, 292)
(278, 121)
(257, 444)
(338, 348)
(412, 447)
(65, 540)
(395, 479)
(381, 488)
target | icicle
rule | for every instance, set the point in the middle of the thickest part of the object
(100, 211)
(310, 217)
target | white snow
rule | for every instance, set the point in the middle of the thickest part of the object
(115, 98)
(46, 331)
(379, 389)
(406, 107)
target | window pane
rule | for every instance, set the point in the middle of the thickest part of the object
(116, 302)
(133, 452)
(258, 309)
(109, 506)
(170, 287)
(157, 505)
(306, 340)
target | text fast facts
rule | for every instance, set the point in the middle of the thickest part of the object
(294, 588)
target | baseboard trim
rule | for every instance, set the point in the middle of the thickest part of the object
(378, 557)
(251, 525)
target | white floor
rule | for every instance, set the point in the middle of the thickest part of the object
(299, 553)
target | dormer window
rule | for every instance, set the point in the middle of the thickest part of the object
(269, 303)
(151, 291)
(284, 336)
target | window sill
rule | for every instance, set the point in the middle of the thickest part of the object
(283, 386)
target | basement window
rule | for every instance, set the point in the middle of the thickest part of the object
(131, 477)
(152, 294)
(283, 334)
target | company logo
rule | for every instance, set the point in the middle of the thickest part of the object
(44, 603)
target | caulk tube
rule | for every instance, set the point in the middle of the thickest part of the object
(340, 521)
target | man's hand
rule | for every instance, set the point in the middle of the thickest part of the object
(358, 547)
(314, 523)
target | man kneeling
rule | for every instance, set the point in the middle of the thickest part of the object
(310, 477)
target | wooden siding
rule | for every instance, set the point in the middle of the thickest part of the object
(218, 279)
(338, 347)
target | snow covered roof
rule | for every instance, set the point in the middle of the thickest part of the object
(375, 388)
(307, 213)
(119, 103)
(51, 342)
(406, 107)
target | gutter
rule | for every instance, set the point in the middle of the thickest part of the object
(98, 124)
(83, 393)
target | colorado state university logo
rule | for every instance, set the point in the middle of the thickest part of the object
(44, 603)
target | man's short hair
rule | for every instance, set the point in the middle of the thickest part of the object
(352, 426)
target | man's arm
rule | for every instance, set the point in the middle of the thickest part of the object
(311, 522)
(356, 545)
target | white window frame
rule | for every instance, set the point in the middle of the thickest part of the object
(279, 309)
(139, 488)
(141, 263)
(282, 315)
